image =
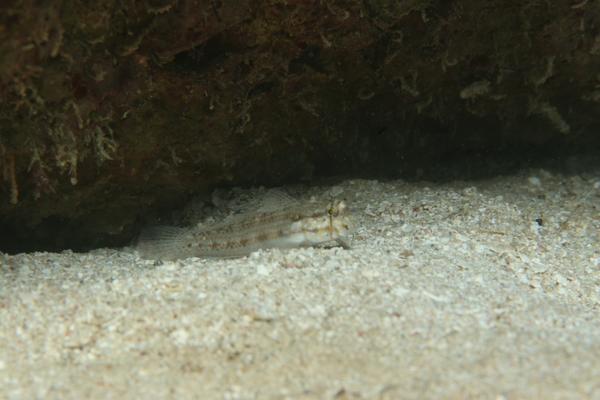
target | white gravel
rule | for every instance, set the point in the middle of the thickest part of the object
(482, 289)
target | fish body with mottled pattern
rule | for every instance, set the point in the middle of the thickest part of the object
(288, 226)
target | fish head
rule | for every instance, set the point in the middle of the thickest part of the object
(330, 222)
(340, 222)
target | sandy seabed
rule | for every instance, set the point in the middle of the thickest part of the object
(480, 289)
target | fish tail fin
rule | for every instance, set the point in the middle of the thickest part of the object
(162, 243)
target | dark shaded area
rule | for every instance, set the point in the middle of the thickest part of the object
(56, 233)
(114, 110)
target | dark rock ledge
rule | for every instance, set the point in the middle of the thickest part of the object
(111, 110)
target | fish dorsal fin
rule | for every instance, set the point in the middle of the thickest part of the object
(275, 200)
(271, 201)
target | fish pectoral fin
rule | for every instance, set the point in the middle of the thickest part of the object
(339, 242)
(343, 243)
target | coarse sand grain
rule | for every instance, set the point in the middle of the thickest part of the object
(479, 289)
